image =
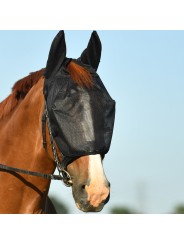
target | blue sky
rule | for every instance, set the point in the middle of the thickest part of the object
(143, 71)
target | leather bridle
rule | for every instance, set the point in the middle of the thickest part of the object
(60, 165)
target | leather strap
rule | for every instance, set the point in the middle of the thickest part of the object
(37, 174)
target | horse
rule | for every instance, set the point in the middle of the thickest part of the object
(21, 147)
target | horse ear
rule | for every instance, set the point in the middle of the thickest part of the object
(57, 54)
(92, 54)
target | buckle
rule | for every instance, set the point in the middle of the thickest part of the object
(67, 180)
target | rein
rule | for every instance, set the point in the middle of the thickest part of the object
(61, 165)
(37, 174)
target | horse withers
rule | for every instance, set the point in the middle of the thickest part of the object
(21, 134)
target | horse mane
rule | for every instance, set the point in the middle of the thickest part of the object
(20, 89)
(80, 75)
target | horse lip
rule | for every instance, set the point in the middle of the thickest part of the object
(89, 208)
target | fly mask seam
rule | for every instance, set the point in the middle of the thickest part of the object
(88, 127)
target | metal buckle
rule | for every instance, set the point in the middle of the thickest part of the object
(67, 180)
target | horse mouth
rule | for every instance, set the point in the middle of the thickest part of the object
(89, 208)
(85, 206)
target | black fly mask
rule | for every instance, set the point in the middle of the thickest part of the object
(81, 118)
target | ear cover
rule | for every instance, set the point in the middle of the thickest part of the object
(92, 54)
(57, 55)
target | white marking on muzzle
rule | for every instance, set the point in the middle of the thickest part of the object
(96, 171)
(97, 188)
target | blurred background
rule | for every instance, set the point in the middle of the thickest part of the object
(143, 71)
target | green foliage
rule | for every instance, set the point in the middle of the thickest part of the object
(179, 209)
(60, 207)
(121, 210)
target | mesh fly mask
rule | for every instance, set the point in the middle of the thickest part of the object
(81, 118)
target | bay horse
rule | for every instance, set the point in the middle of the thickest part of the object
(21, 147)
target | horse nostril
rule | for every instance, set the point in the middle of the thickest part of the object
(82, 190)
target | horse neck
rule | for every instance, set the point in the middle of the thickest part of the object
(21, 147)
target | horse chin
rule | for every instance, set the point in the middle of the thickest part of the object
(85, 206)
(89, 208)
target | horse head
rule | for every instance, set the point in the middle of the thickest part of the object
(81, 115)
